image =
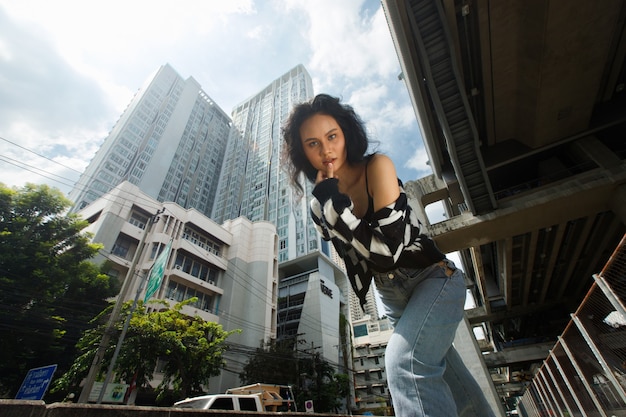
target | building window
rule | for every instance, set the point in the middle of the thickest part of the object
(196, 268)
(360, 330)
(121, 247)
(202, 240)
(138, 219)
(179, 292)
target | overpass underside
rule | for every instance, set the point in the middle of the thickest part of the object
(522, 109)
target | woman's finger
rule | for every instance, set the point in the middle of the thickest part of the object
(321, 176)
(330, 171)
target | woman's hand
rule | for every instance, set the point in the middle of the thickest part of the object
(323, 175)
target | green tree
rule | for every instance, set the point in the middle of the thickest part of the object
(49, 290)
(272, 363)
(311, 377)
(191, 348)
(323, 385)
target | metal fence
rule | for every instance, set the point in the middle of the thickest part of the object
(585, 373)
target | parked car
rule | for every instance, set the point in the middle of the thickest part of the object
(223, 402)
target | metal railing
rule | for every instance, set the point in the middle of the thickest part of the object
(585, 373)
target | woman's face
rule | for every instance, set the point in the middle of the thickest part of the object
(323, 142)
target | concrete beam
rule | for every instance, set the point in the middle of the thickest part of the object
(585, 195)
(527, 353)
(478, 315)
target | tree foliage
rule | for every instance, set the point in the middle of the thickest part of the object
(272, 363)
(311, 377)
(191, 348)
(49, 290)
(323, 385)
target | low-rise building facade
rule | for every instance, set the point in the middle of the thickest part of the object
(232, 269)
(370, 379)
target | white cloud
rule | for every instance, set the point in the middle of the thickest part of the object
(257, 32)
(5, 52)
(347, 42)
(68, 68)
(419, 162)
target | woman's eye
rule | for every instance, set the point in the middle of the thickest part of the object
(333, 136)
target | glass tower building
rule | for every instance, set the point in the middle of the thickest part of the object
(169, 142)
(253, 182)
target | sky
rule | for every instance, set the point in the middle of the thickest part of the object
(69, 68)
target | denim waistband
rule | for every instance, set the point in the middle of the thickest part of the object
(414, 273)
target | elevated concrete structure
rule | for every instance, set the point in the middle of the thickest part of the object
(522, 110)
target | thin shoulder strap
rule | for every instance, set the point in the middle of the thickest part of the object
(367, 186)
(370, 200)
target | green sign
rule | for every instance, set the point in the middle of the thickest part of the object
(157, 272)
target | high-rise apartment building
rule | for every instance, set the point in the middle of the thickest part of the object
(169, 142)
(176, 146)
(357, 312)
(253, 182)
(370, 308)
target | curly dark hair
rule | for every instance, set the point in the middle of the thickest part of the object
(351, 124)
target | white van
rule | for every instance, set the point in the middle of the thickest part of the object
(223, 402)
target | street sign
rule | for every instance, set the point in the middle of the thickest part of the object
(36, 383)
(114, 393)
(157, 272)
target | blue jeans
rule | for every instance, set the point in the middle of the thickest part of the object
(425, 374)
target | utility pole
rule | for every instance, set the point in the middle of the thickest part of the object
(117, 308)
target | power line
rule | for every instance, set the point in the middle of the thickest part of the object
(239, 277)
(34, 170)
(39, 155)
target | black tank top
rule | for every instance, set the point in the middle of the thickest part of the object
(370, 201)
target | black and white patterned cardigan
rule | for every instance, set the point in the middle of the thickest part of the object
(391, 238)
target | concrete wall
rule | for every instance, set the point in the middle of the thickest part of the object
(21, 408)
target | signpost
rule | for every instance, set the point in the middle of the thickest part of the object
(36, 383)
(308, 406)
(113, 393)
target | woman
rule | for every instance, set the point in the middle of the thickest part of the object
(359, 204)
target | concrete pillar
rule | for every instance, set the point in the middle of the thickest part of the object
(465, 343)
(424, 191)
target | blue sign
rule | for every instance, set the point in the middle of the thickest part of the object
(36, 383)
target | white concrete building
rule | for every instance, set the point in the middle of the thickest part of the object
(231, 269)
(370, 379)
(311, 296)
